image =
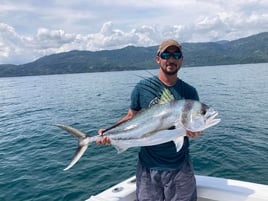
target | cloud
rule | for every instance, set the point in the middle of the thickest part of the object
(30, 29)
(18, 49)
(11, 44)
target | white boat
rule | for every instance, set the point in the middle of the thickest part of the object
(208, 189)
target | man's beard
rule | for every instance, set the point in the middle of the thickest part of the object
(170, 72)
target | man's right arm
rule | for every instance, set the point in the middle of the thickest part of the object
(105, 140)
(131, 113)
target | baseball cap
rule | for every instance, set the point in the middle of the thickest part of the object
(168, 43)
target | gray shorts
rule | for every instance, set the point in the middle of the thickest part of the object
(171, 185)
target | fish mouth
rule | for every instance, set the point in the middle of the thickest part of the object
(203, 122)
(211, 115)
(210, 118)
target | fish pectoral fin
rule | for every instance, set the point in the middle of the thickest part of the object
(180, 132)
(179, 143)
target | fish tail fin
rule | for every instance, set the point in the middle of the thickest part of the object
(83, 142)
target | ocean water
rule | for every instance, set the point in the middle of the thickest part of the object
(33, 152)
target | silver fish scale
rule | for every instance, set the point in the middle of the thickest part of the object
(158, 117)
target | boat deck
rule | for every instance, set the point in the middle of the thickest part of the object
(208, 189)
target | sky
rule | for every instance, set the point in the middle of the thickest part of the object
(30, 29)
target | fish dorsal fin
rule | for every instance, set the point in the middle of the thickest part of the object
(166, 96)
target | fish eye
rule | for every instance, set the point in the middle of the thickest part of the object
(204, 109)
(203, 112)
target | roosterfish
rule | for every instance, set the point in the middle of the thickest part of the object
(163, 122)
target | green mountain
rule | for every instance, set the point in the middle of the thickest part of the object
(252, 49)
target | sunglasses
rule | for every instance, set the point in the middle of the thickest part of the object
(167, 55)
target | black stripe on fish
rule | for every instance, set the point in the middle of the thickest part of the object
(188, 105)
(172, 128)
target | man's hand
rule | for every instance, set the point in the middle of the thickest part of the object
(104, 140)
(193, 134)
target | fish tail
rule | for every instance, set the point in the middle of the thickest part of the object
(83, 142)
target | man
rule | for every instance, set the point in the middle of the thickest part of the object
(162, 172)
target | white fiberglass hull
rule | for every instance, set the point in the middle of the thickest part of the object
(208, 189)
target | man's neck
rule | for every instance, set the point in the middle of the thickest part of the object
(168, 80)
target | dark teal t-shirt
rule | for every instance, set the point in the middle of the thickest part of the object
(147, 93)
